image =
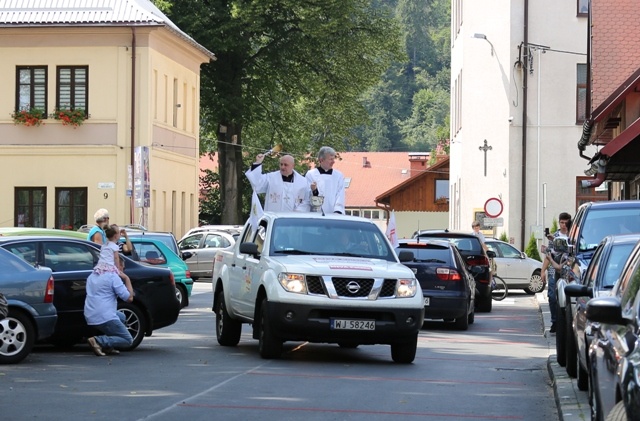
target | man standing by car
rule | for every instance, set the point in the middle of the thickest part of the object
(548, 272)
(327, 182)
(286, 190)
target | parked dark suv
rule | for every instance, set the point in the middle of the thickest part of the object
(593, 222)
(476, 259)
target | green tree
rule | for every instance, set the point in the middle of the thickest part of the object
(287, 71)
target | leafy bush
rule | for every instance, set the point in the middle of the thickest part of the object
(532, 248)
(504, 237)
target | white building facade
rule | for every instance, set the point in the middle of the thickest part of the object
(518, 78)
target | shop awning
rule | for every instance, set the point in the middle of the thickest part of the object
(622, 140)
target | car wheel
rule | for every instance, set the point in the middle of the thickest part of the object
(181, 295)
(618, 413)
(269, 345)
(536, 284)
(404, 352)
(135, 322)
(596, 412)
(472, 317)
(485, 303)
(17, 336)
(227, 330)
(462, 322)
(561, 337)
(571, 360)
(583, 378)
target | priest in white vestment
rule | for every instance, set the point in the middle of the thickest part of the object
(327, 181)
(286, 190)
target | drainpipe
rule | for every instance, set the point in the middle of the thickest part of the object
(600, 166)
(133, 118)
(523, 202)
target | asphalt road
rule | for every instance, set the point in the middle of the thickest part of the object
(497, 370)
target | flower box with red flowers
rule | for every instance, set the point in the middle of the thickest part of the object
(31, 117)
(70, 117)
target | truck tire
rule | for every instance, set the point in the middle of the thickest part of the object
(269, 346)
(404, 352)
(227, 330)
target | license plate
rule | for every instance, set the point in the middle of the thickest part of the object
(426, 301)
(345, 324)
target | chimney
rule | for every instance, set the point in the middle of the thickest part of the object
(365, 163)
(418, 162)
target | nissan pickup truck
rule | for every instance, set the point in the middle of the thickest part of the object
(308, 277)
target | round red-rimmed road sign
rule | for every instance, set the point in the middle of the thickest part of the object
(493, 207)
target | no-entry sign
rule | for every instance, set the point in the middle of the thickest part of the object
(493, 207)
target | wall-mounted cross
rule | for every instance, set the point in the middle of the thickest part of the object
(484, 149)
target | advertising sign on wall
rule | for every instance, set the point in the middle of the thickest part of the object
(141, 182)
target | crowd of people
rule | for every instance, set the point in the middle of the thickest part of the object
(287, 190)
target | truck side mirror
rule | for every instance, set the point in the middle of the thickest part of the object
(249, 248)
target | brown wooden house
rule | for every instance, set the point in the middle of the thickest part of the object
(422, 201)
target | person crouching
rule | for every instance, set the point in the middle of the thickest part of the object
(105, 285)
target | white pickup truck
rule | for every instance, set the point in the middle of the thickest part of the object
(315, 278)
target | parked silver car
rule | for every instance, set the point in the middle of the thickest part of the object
(203, 247)
(517, 270)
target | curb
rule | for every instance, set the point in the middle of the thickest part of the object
(571, 402)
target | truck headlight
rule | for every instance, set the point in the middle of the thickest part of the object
(293, 282)
(406, 288)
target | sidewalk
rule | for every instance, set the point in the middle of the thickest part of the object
(572, 403)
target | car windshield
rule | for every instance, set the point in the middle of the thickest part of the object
(615, 263)
(602, 222)
(427, 254)
(466, 245)
(329, 237)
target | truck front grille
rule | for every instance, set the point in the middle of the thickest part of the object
(363, 288)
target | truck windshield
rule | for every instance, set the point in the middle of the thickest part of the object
(329, 237)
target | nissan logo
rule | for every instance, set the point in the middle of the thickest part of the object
(353, 287)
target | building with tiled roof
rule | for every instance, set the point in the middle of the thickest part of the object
(613, 115)
(133, 77)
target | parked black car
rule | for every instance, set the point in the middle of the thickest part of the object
(447, 287)
(615, 349)
(476, 259)
(593, 221)
(32, 315)
(598, 281)
(72, 260)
